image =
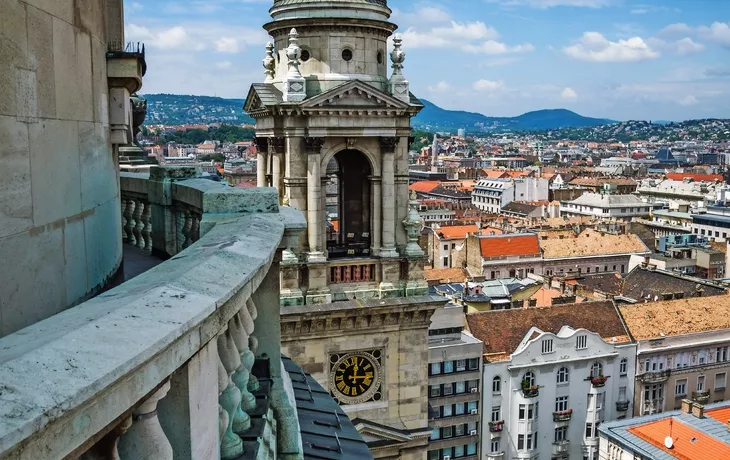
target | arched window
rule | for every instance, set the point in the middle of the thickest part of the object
(596, 370)
(528, 380)
(563, 374)
(497, 384)
(622, 366)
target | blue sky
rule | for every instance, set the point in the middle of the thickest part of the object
(620, 59)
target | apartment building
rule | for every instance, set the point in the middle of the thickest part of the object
(683, 351)
(502, 256)
(622, 207)
(552, 376)
(492, 195)
(454, 387)
(444, 241)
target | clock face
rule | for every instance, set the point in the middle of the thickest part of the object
(355, 377)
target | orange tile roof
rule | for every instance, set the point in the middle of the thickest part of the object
(697, 177)
(493, 173)
(689, 443)
(456, 231)
(445, 275)
(424, 186)
(509, 245)
(722, 415)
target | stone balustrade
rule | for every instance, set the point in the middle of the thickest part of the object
(184, 360)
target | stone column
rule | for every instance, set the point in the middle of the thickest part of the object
(262, 149)
(401, 193)
(315, 213)
(276, 150)
(387, 149)
(376, 207)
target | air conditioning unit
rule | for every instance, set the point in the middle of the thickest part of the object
(447, 457)
(473, 433)
(475, 390)
(473, 412)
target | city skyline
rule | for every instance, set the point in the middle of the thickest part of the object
(602, 58)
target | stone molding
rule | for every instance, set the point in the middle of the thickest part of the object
(388, 144)
(330, 25)
(314, 144)
(295, 181)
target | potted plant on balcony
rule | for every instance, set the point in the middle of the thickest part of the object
(598, 381)
(528, 390)
(496, 426)
(562, 415)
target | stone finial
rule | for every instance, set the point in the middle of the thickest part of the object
(269, 63)
(413, 227)
(398, 85)
(294, 84)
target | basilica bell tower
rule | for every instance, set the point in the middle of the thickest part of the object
(332, 132)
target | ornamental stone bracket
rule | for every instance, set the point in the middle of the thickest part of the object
(262, 144)
(125, 69)
(314, 144)
(275, 145)
(388, 144)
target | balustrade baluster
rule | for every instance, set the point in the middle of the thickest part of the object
(186, 228)
(230, 399)
(242, 421)
(147, 228)
(194, 227)
(130, 224)
(180, 227)
(145, 438)
(223, 418)
(107, 447)
(138, 224)
(253, 382)
(124, 219)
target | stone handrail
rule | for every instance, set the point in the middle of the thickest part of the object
(162, 365)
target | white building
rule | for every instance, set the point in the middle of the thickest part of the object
(549, 385)
(492, 195)
(606, 206)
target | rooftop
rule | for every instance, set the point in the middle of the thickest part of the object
(592, 243)
(444, 275)
(599, 181)
(424, 186)
(510, 245)
(608, 201)
(503, 330)
(458, 232)
(642, 284)
(676, 317)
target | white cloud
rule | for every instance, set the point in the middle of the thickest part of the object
(426, 14)
(440, 87)
(687, 46)
(718, 32)
(454, 34)
(495, 47)
(594, 47)
(226, 45)
(174, 37)
(675, 31)
(569, 94)
(487, 86)
(554, 3)
(688, 100)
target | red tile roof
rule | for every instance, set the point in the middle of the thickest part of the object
(696, 177)
(456, 231)
(689, 443)
(424, 186)
(509, 245)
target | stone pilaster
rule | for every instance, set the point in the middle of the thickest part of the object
(387, 149)
(262, 149)
(401, 193)
(315, 211)
(376, 216)
(276, 150)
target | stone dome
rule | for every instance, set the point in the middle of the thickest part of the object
(364, 10)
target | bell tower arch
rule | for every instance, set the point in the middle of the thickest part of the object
(333, 132)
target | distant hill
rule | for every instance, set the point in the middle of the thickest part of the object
(435, 117)
(174, 109)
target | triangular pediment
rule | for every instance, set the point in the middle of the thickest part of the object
(355, 95)
(261, 97)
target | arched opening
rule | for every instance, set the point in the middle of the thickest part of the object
(348, 205)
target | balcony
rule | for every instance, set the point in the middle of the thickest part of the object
(529, 391)
(496, 427)
(183, 360)
(560, 449)
(653, 406)
(622, 406)
(495, 455)
(563, 416)
(702, 397)
(599, 381)
(655, 377)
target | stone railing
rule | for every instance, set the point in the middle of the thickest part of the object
(183, 361)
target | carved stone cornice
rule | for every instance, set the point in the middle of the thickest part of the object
(276, 145)
(314, 144)
(262, 144)
(388, 144)
(298, 323)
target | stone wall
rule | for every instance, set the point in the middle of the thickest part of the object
(59, 187)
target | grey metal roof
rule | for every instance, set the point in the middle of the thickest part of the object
(297, 2)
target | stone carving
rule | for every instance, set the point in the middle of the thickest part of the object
(388, 144)
(413, 225)
(276, 144)
(351, 141)
(262, 144)
(294, 85)
(269, 63)
(397, 84)
(314, 144)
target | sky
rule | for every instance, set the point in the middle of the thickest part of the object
(618, 59)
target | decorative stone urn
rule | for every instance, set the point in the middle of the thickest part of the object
(413, 225)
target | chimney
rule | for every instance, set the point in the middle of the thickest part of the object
(698, 410)
(686, 406)
(562, 286)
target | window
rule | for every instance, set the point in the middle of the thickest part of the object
(434, 454)
(458, 451)
(622, 366)
(496, 414)
(702, 356)
(460, 387)
(596, 369)
(529, 379)
(448, 389)
(459, 430)
(446, 262)
(460, 365)
(520, 442)
(591, 430)
(563, 375)
(459, 409)
(497, 384)
(448, 410)
(471, 449)
(379, 57)
(581, 342)
(561, 404)
(472, 407)
(494, 446)
(471, 384)
(447, 432)
(435, 368)
(305, 55)
(446, 247)
(680, 387)
(435, 391)
(473, 364)
(436, 434)
(448, 367)
(522, 411)
(547, 346)
(701, 383)
(622, 393)
(347, 55)
(561, 433)
(721, 354)
(720, 381)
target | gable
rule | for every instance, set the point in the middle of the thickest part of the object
(355, 94)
